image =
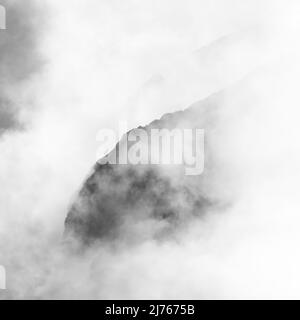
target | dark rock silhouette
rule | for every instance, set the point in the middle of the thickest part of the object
(136, 202)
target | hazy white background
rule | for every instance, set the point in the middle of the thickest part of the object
(136, 60)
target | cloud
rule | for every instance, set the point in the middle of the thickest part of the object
(101, 57)
(19, 59)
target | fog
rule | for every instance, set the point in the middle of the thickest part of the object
(70, 69)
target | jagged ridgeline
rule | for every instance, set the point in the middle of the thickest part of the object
(148, 201)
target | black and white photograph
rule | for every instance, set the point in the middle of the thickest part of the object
(149, 150)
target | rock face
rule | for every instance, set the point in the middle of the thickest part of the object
(146, 201)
